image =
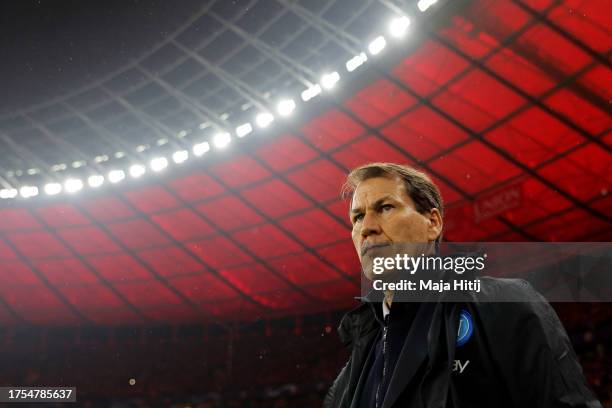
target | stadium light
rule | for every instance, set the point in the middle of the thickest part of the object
(264, 119)
(286, 107)
(356, 62)
(137, 170)
(423, 5)
(311, 92)
(399, 26)
(159, 163)
(328, 81)
(115, 176)
(222, 139)
(73, 185)
(95, 180)
(180, 156)
(8, 193)
(53, 188)
(201, 148)
(243, 130)
(28, 191)
(377, 45)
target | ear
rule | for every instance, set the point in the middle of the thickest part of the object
(434, 228)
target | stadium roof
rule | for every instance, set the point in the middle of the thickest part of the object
(506, 104)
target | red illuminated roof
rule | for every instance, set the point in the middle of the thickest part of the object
(506, 106)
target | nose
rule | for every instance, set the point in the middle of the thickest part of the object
(370, 225)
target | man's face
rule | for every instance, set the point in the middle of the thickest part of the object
(382, 213)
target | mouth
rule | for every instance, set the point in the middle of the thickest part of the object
(367, 247)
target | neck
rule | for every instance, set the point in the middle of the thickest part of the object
(388, 298)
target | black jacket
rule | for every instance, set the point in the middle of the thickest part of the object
(516, 354)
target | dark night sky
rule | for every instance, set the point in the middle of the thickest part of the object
(50, 47)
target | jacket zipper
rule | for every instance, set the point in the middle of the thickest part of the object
(384, 373)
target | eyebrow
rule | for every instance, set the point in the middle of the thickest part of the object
(377, 203)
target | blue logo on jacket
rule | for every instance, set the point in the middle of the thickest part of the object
(466, 328)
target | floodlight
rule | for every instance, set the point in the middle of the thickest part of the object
(264, 119)
(201, 148)
(222, 139)
(115, 176)
(137, 170)
(244, 129)
(159, 163)
(53, 188)
(328, 81)
(377, 45)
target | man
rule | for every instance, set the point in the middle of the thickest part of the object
(480, 353)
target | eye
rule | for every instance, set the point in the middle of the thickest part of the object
(357, 218)
(386, 207)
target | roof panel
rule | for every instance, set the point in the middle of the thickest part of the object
(431, 66)
(331, 129)
(486, 95)
(183, 224)
(171, 261)
(62, 215)
(107, 208)
(520, 72)
(343, 255)
(567, 227)
(286, 152)
(475, 175)
(538, 201)
(88, 240)
(6, 253)
(331, 291)
(146, 295)
(303, 269)
(240, 171)
(196, 187)
(369, 149)
(100, 304)
(587, 20)
(39, 304)
(150, 199)
(315, 228)
(219, 252)
(38, 244)
(229, 213)
(340, 209)
(465, 36)
(534, 136)
(379, 102)
(424, 133)
(17, 273)
(553, 48)
(66, 272)
(203, 288)
(254, 279)
(119, 268)
(503, 16)
(580, 111)
(138, 234)
(598, 80)
(266, 241)
(14, 219)
(321, 180)
(584, 174)
(275, 198)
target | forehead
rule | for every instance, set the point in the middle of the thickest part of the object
(375, 188)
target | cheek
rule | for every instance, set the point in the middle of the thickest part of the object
(409, 228)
